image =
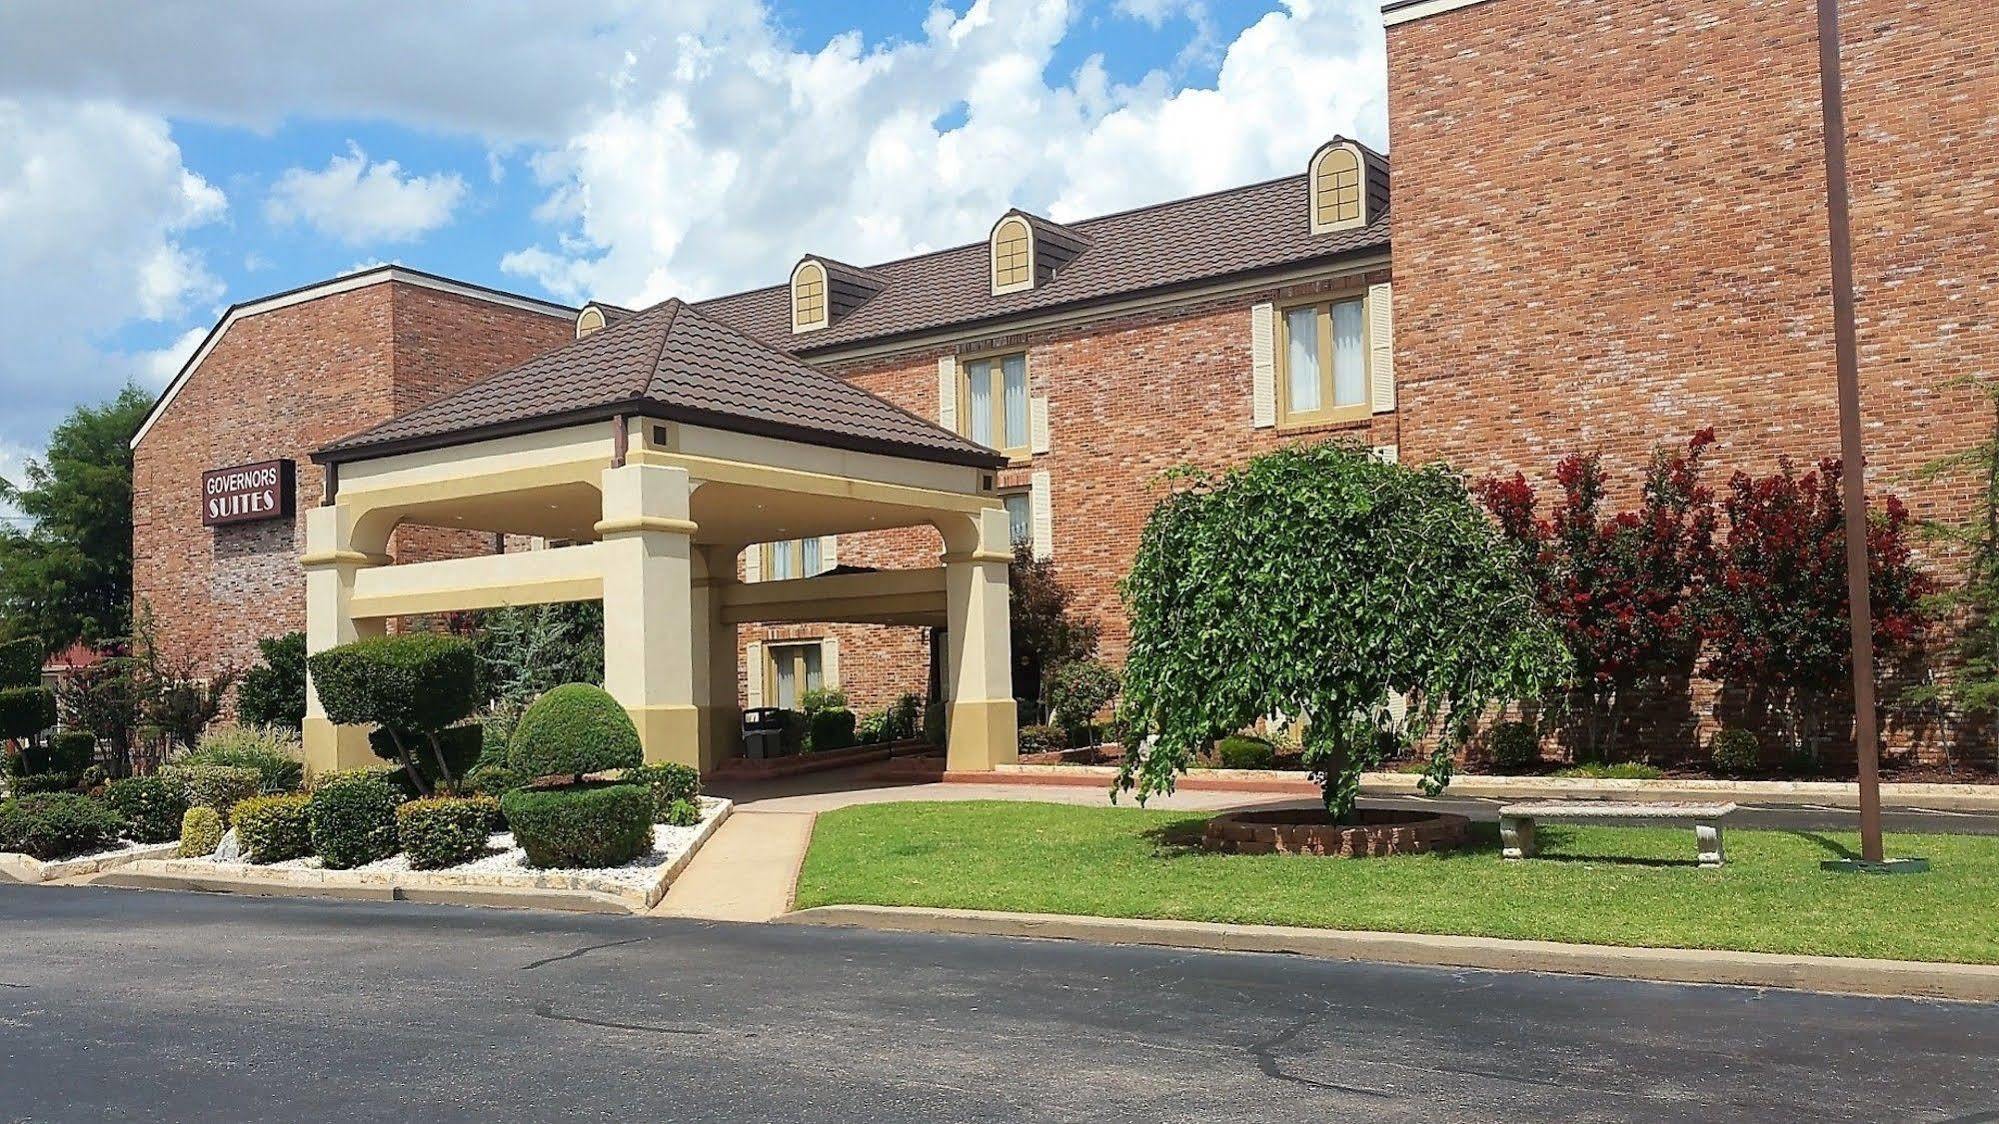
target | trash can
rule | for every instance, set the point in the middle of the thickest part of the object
(763, 732)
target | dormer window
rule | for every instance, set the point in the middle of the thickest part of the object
(1013, 256)
(808, 296)
(589, 320)
(1339, 187)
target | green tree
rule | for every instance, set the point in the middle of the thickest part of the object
(411, 686)
(273, 692)
(1045, 634)
(1970, 685)
(67, 575)
(1321, 581)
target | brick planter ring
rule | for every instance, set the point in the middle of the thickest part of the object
(1303, 831)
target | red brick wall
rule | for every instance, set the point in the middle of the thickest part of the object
(1610, 230)
(280, 384)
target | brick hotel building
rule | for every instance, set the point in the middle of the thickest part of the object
(1604, 228)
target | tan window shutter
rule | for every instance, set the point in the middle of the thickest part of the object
(754, 680)
(1381, 346)
(829, 662)
(753, 563)
(1042, 516)
(829, 552)
(1389, 453)
(1263, 364)
(947, 392)
(1037, 424)
(1398, 707)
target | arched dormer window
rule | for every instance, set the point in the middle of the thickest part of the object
(1339, 188)
(1013, 256)
(808, 297)
(589, 320)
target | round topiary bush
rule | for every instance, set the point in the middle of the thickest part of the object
(581, 825)
(26, 711)
(353, 818)
(56, 825)
(1734, 751)
(200, 832)
(1513, 746)
(151, 805)
(445, 830)
(273, 829)
(830, 728)
(71, 751)
(1042, 739)
(572, 730)
(1242, 752)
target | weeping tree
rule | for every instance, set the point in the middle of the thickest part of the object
(1323, 582)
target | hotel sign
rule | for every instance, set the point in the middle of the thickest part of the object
(247, 492)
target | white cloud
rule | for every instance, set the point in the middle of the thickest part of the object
(94, 204)
(13, 469)
(360, 202)
(723, 156)
(157, 368)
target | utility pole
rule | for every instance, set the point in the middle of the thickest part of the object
(1860, 606)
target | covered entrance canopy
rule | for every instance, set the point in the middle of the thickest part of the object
(661, 447)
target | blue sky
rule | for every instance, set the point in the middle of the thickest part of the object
(158, 163)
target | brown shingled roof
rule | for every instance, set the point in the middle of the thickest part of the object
(1243, 230)
(673, 362)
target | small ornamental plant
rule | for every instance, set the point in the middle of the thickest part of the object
(574, 730)
(671, 783)
(57, 825)
(443, 831)
(1322, 581)
(274, 829)
(1240, 752)
(219, 787)
(153, 806)
(1513, 746)
(353, 818)
(200, 832)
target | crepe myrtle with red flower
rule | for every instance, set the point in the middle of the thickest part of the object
(1626, 588)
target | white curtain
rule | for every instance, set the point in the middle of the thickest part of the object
(813, 564)
(1301, 357)
(979, 384)
(1015, 371)
(1349, 354)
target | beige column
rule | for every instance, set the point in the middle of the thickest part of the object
(715, 676)
(649, 638)
(332, 557)
(981, 729)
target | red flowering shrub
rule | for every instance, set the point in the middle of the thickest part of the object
(1625, 590)
(1777, 611)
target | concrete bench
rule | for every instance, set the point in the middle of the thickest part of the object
(1516, 822)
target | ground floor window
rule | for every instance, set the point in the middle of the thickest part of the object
(1019, 515)
(790, 670)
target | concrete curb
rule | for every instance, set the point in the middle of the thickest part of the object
(1838, 794)
(17, 867)
(1835, 974)
(577, 893)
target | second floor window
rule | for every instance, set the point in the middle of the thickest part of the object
(1323, 362)
(791, 558)
(996, 403)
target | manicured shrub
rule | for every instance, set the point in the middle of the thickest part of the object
(681, 813)
(572, 730)
(1042, 739)
(56, 825)
(153, 806)
(353, 818)
(581, 825)
(410, 685)
(669, 782)
(462, 747)
(214, 786)
(1243, 752)
(493, 780)
(274, 753)
(45, 782)
(200, 832)
(1734, 751)
(272, 829)
(20, 662)
(872, 728)
(26, 711)
(822, 698)
(1513, 746)
(445, 830)
(830, 728)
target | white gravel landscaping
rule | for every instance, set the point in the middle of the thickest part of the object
(638, 884)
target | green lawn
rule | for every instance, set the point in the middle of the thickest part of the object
(1602, 885)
